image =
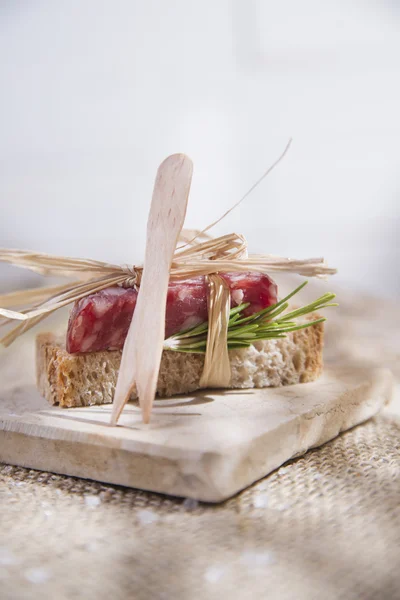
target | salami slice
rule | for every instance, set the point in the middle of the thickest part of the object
(101, 321)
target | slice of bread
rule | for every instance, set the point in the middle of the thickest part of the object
(84, 379)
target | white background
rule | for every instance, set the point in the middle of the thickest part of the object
(94, 94)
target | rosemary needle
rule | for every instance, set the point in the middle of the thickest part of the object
(270, 323)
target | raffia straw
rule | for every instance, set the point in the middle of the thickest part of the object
(253, 187)
(74, 291)
(223, 254)
(17, 331)
(31, 296)
(200, 255)
(47, 264)
(187, 235)
(217, 370)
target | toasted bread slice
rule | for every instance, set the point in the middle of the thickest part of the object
(71, 380)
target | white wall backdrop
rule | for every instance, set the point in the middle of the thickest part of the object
(94, 94)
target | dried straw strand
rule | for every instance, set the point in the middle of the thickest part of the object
(217, 369)
(223, 254)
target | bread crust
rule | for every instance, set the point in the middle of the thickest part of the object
(71, 380)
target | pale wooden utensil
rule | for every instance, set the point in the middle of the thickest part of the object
(142, 352)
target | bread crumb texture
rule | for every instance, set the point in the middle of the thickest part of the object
(70, 380)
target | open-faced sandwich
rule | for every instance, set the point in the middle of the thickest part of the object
(204, 314)
(266, 347)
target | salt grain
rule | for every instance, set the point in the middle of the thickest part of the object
(260, 501)
(92, 546)
(214, 574)
(7, 557)
(146, 517)
(252, 559)
(92, 501)
(37, 575)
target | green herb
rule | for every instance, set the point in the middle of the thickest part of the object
(269, 323)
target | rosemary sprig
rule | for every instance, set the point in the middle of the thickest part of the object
(270, 323)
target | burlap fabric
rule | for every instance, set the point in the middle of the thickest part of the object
(325, 526)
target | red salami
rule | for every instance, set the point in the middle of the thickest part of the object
(101, 321)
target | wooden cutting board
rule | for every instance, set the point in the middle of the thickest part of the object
(208, 445)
